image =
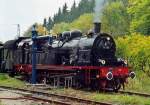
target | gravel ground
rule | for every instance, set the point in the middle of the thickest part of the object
(9, 94)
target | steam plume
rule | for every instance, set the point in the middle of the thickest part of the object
(99, 4)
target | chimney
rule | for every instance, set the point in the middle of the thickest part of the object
(97, 27)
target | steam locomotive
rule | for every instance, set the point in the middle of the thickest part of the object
(71, 60)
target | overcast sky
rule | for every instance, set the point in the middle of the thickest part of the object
(25, 13)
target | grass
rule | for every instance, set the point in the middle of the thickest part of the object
(5, 80)
(139, 84)
(114, 98)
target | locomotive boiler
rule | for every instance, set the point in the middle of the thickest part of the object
(96, 49)
(72, 60)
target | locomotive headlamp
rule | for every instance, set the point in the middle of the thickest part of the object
(125, 62)
(132, 75)
(119, 59)
(108, 38)
(102, 61)
(109, 76)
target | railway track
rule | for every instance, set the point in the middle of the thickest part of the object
(134, 93)
(54, 98)
(36, 99)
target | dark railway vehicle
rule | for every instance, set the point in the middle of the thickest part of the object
(71, 60)
(1, 56)
(9, 54)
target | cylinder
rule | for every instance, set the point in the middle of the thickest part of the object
(97, 27)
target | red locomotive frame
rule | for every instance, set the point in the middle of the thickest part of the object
(116, 71)
(105, 74)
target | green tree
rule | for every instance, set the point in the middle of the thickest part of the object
(55, 18)
(65, 13)
(61, 27)
(49, 24)
(45, 23)
(115, 19)
(140, 13)
(73, 14)
(59, 15)
(83, 7)
(83, 23)
(91, 6)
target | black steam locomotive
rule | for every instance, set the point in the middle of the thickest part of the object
(72, 59)
(95, 49)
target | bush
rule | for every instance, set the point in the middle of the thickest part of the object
(136, 49)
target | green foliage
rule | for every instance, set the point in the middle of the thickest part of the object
(83, 23)
(140, 13)
(136, 49)
(61, 27)
(115, 19)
